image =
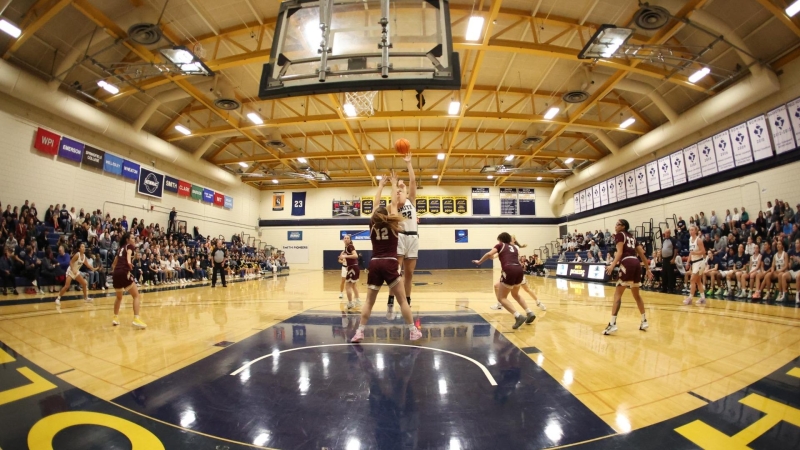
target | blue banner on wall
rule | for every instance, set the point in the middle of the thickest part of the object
(150, 183)
(480, 201)
(462, 236)
(130, 170)
(298, 203)
(208, 195)
(170, 184)
(355, 235)
(294, 235)
(113, 164)
(228, 202)
(71, 150)
(527, 201)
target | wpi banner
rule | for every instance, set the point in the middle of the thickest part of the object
(150, 183)
(93, 157)
(47, 142)
(170, 184)
(228, 203)
(208, 195)
(71, 150)
(130, 170)
(219, 199)
(113, 164)
(184, 188)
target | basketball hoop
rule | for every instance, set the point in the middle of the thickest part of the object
(359, 103)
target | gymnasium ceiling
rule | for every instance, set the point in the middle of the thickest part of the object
(523, 63)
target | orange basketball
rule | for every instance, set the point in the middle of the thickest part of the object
(402, 146)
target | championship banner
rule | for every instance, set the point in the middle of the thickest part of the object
(508, 202)
(480, 201)
(184, 188)
(298, 203)
(678, 168)
(652, 176)
(347, 208)
(603, 194)
(208, 195)
(93, 157)
(622, 193)
(589, 201)
(611, 185)
(794, 116)
(422, 205)
(596, 196)
(461, 204)
(724, 151)
(130, 170)
(71, 150)
(150, 183)
(434, 205)
(367, 205)
(708, 157)
(113, 164)
(170, 184)
(742, 153)
(197, 192)
(228, 202)
(641, 180)
(759, 138)
(448, 205)
(384, 202)
(582, 195)
(219, 199)
(277, 201)
(527, 201)
(576, 202)
(781, 126)
(692, 159)
(630, 184)
(47, 142)
(665, 172)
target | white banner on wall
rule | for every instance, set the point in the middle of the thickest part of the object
(583, 201)
(652, 176)
(794, 115)
(781, 127)
(297, 254)
(630, 184)
(589, 199)
(665, 172)
(611, 185)
(641, 180)
(576, 202)
(678, 168)
(759, 137)
(742, 153)
(724, 151)
(596, 195)
(708, 159)
(692, 158)
(603, 193)
(621, 191)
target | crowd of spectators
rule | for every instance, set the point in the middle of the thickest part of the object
(38, 248)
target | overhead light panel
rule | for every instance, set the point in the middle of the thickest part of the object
(275, 181)
(509, 157)
(569, 160)
(490, 177)
(435, 177)
(350, 110)
(605, 42)
(243, 164)
(454, 108)
(551, 113)
(183, 130)
(697, 76)
(628, 122)
(370, 157)
(791, 10)
(301, 160)
(474, 28)
(440, 156)
(378, 177)
(108, 87)
(185, 61)
(538, 178)
(9, 28)
(255, 118)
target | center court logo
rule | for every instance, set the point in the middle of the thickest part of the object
(151, 183)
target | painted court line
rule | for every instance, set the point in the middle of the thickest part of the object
(482, 367)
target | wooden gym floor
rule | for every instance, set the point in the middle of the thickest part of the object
(697, 378)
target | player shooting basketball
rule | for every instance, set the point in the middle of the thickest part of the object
(408, 242)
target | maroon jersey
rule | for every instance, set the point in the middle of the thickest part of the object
(384, 241)
(350, 249)
(507, 254)
(122, 259)
(628, 243)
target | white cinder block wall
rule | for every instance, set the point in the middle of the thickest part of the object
(28, 174)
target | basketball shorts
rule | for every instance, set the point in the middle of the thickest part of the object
(630, 272)
(382, 271)
(512, 276)
(408, 246)
(698, 266)
(344, 271)
(353, 273)
(121, 280)
(793, 274)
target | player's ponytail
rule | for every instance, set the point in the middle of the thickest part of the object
(382, 217)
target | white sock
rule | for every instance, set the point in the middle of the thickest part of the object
(136, 317)
(613, 320)
(361, 328)
(411, 327)
(528, 310)
(644, 319)
(517, 314)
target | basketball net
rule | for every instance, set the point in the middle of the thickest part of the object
(361, 102)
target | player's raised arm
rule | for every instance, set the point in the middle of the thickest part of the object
(392, 206)
(381, 184)
(412, 179)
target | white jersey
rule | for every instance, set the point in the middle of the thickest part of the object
(75, 268)
(409, 213)
(754, 260)
(693, 244)
(780, 261)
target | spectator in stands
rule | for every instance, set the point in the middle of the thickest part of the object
(669, 258)
(745, 218)
(702, 222)
(593, 247)
(7, 272)
(787, 227)
(788, 212)
(562, 257)
(577, 258)
(64, 219)
(590, 257)
(713, 220)
(50, 271)
(31, 266)
(720, 244)
(735, 218)
(171, 225)
(124, 223)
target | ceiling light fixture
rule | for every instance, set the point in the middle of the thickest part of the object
(697, 76)
(793, 9)
(538, 178)
(551, 113)
(490, 177)
(378, 177)
(605, 42)
(454, 108)
(255, 118)
(350, 110)
(108, 87)
(440, 156)
(509, 157)
(370, 157)
(185, 61)
(301, 160)
(243, 164)
(435, 177)
(474, 28)
(9, 28)
(628, 122)
(183, 130)
(569, 160)
(275, 181)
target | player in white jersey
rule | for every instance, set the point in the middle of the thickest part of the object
(780, 264)
(74, 273)
(696, 265)
(525, 286)
(408, 240)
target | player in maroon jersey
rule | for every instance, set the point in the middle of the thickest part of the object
(353, 271)
(383, 267)
(123, 281)
(630, 272)
(511, 278)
